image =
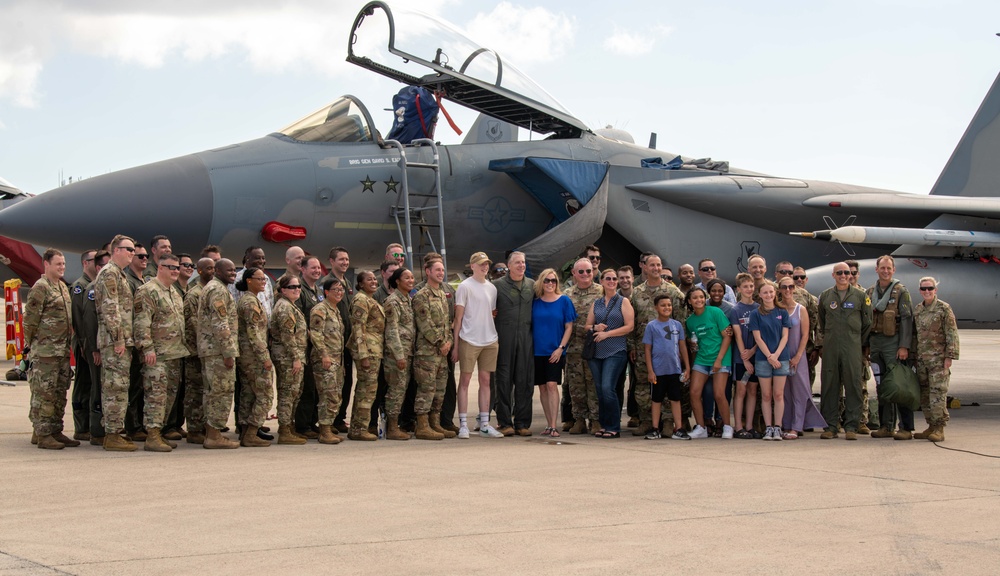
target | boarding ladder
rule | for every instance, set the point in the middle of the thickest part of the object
(418, 215)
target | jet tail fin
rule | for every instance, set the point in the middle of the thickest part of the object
(972, 169)
(489, 130)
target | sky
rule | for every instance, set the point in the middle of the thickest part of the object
(872, 92)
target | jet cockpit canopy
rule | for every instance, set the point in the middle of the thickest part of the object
(461, 70)
(345, 120)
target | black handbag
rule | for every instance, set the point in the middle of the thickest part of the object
(589, 342)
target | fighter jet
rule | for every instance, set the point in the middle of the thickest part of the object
(332, 179)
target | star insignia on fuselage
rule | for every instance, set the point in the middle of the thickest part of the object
(368, 184)
(390, 185)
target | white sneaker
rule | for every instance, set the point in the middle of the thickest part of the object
(777, 434)
(769, 433)
(699, 432)
(489, 432)
(727, 432)
(463, 433)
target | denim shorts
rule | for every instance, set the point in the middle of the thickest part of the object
(764, 370)
(708, 369)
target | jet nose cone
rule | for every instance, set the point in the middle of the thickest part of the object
(172, 197)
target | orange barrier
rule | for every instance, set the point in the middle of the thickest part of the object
(15, 318)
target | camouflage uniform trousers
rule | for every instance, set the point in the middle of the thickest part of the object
(114, 387)
(289, 390)
(644, 398)
(159, 384)
(256, 392)
(49, 380)
(220, 382)
(431, 374)
(364, 394)
(934, 379)
(397, 381)
(194, 394)
(582, 391)
(329, 388)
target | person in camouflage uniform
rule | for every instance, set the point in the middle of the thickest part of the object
(366, 343)
(113, 299)
(48, 327)
(158, 330)
(579, 380)
(254, 365)
(642, 299)
(135, 274)
(936, 348)
(430, 355)
(88, 336)
(326, 334)
(82, 381)
(217, 348)
(400, 333)
(289, 335)
(194, 392)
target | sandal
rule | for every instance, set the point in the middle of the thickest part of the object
(608, 435)
(555, 433)
(600, 433)
(548, 432)
(790, 435)
(743, 434)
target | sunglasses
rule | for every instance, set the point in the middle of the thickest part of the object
(550, 281)
(593, 257)
(799, 277)
(500, 270)
(854, 272)
(293, 287)
(584, 272)
(129, 248)
(788, 287)
(785, 272)
(609, 279)
(928, 288)
(172, 266)
(668, 278)
(844, 273)
(707, 268)
(187, 265)
(142, 256)
(397, 255)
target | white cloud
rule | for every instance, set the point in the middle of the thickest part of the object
(632, 43)
(523, 34)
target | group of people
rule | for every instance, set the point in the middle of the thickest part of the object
(164, 343)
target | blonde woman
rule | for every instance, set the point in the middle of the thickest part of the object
(552, 316)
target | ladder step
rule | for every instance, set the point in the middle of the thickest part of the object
(414, 195)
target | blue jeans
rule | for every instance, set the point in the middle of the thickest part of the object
(606, 372)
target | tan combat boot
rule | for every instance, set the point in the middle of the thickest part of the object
(214, 440)
(595, 427)
(937, 435)
(923, 435)
(643, 429)
(196, 437)
(903, 435)
(65, 440)
(154, 442)
(448, 425)
(326, 435)
(579, 427)
(34, 439)
(863, 429)
(361, 433)
(424, 430)
(118, 443)
(434, 420)
(48, 442)
(882, 432)
(392, 429)
(250, 439)
(287, 435)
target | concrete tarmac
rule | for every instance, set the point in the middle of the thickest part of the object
(579, 505)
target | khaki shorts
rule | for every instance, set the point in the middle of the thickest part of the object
(468, 355)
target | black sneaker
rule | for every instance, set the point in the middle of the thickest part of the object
(654, 435)
(680, 434)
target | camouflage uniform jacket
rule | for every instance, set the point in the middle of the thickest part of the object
(400, 326)
(430, 312)
(645, 311)
(253, 328)
(937, 332)
(48, 322)
(345, 302)
(159, 321)
(217, 322)
(78, 298)
(326, 333)
(289, 333)
(368, 334)
(191, 316)
(113, 298)
(449, 296)
(582, 299)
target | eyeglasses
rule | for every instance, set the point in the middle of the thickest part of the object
(142, 256)
(129, 248)
(799, 277)
(293, 287)
(585, 272)
(707, 268)
(592, 258)
(609, 279)
(88, 259)
(788, 287)
(260, 278)
(172, 266)
(928, 288)
(844, 273)
(785, 272)
(336, 288)
(854, 272)
(550, 281)
(500, 270)
(397, 255)
(668, 278)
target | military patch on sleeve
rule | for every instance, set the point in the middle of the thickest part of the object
(868, 301)
(90, 295)
(77, 290)
(220, 308)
